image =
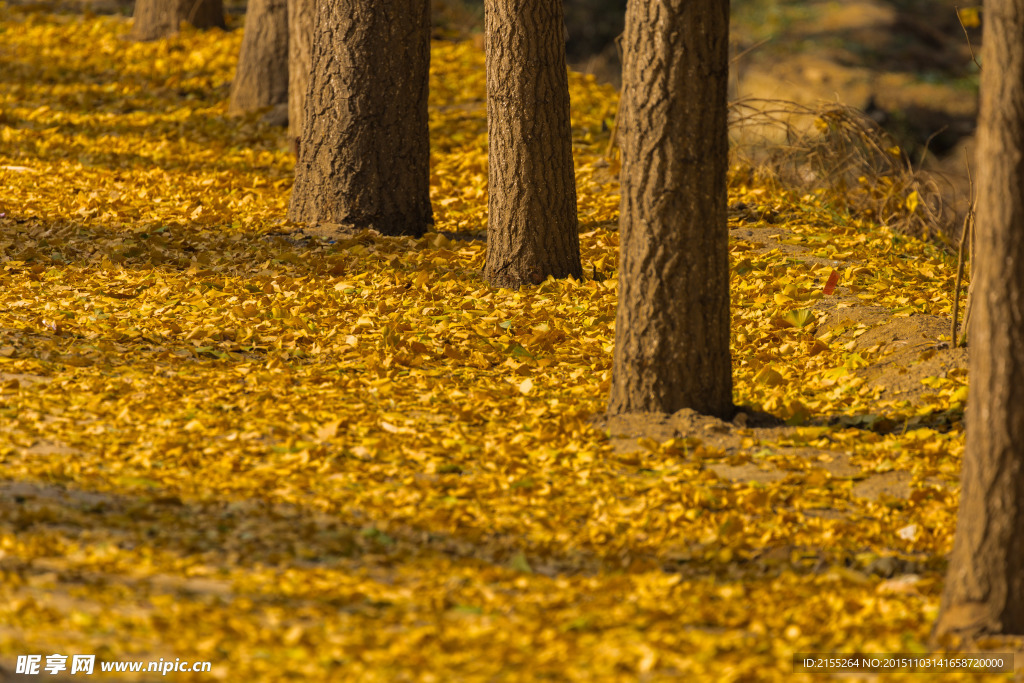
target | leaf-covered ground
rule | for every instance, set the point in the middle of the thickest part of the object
(311, 460)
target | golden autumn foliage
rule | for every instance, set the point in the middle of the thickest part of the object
(311, 460)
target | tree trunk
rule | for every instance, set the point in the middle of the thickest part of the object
(984, 592)
(261, 79)
(532, 225)
(301, 16)
(364, 156)
(154, 19)
(672, 325)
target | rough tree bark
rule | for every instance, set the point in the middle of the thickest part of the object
(301, 15)
(364, 155)
(984, 591)
(154, 19)
(532, 225)
(672, 325)
(261, 79)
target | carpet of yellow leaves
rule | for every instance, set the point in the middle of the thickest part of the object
(304, 460)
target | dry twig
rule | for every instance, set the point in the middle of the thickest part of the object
(968, 37)
(966, 242)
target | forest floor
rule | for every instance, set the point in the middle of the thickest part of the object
(306, 456)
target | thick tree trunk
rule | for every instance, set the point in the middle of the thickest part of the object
(154, 19)
(261, 79)
(364, 156)
(532, 225)
(984, 592)
(301, 20)
(672, 326)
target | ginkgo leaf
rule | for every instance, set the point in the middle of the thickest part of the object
(833, 280)
(782, 299)
(769, 377)
(328, 430)
(970, 17)
(519, 563)
(799, 317)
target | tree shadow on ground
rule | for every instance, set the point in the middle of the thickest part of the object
(91, 146)
(210, 542)
(243, 532)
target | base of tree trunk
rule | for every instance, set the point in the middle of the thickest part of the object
(533, 229)
(155, 19)
(364, 157)
(261, 79)
(673, 317)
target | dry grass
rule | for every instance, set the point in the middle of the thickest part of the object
(840, 153)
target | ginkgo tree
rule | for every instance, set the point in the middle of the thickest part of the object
(984, 591)
(532, 223)
(672, 323)
(363, 159)
(301, 17)
(153, 19)
(261, 79)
